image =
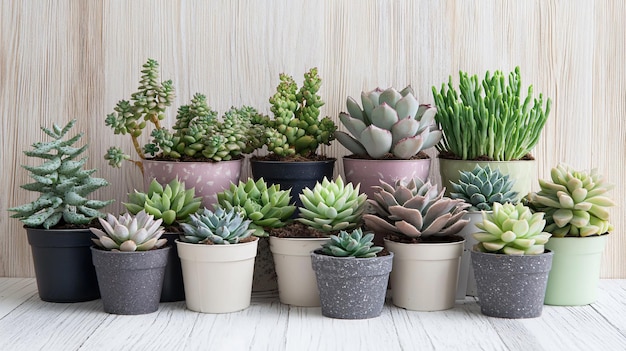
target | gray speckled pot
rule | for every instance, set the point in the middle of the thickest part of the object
(351, 288)
(130, 282)
(511, 286)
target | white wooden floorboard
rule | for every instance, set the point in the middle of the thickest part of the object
(13, 292)
(612, 303)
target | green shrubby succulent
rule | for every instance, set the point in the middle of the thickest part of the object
(482, 187)
(62, 182)
(574, 202)
(172, 203)
(390, 122)
(332, 205)
(489, 118)
(512, 230)
(266, 207)
(219, 227)
(353, 244)
(130, 233)
(415, 210)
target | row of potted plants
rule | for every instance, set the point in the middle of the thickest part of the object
(486, 123)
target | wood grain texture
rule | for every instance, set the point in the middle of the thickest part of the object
(75, 59)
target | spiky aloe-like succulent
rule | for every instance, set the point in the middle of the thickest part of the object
(482, 187)
(332, 205)
(172, 203)
(353, 244)
(390, 122)
(574, 202)
(129, 233)
(266, 207)
(512, 230)
(415, 210)
(62, 182)
(297, 128)
(489, 117)
(219, 227)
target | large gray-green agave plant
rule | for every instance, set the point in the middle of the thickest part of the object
(390, 122)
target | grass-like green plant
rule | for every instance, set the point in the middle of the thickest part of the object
(489, 118)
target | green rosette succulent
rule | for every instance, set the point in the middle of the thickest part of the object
(332, 206)
(353, 244)
(512, 230)
(172, 203)
(297, 128)
(220, 227)
(62, 182)
(390, 122)
(266, 207)
(574, 202)
(415, 210)
(130, 233)
(482, 187)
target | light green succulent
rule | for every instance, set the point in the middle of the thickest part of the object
(174, 203)
(390, 122)
(415, 210)
(332, 205)
(130, 233)
(482, 187)
(353, 244)
(62, 182)
(297, 128)
(489, 118)
(219, 227)
(574, 202)
(512, 230)
(266, 207)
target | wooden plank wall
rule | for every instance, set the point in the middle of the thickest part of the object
(75, 59)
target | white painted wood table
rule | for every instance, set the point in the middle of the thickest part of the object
(27, 323)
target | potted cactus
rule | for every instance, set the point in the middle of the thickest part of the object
(130, 259)
(294, 135)
(481, 188)
(173, 204)
(489, 122)
(576, 208)
(420, 226)
(266, 207)
(387, 137)
(57, 222)
(330, 206)
(217, 251)
(201, 150)
(510, 262)
(352, 275)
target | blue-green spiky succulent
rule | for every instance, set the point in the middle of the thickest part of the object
(353, 244)
(482, 187)
(219, 227)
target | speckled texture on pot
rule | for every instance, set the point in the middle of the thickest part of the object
(264, 278)
(130, 282)
(352, 288)
(511, 286)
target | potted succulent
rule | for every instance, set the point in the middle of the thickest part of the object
(510, 262)
(481, 188)
(330, 206)
(576, 208)
(173, 204)
(489, 122)
(352, 275)
(420, 226)
(266, 207)
(130, 259)
(217, 252)
(294, 135)
(387, 137)
(201, 150)
(57, 222)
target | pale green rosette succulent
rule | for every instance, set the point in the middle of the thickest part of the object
(129, 233)
(353, 244)
(512, 230)
(220, 227)
(482, 187)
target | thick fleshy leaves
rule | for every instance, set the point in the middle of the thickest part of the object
(376, 141)
(384, 116)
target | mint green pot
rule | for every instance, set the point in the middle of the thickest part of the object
(573, 280)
